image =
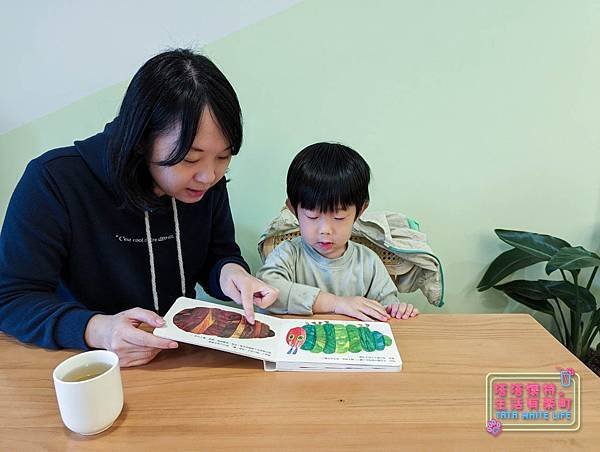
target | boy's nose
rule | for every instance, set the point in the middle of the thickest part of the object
(325, 228)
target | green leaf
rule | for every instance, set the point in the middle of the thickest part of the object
(593, 322)
(537, 305)
(531, 289)
(532, 294)
(540, 245)
(572, 258)
(566, 291)
(506, 263)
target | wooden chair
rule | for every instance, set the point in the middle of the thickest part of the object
(394, 264)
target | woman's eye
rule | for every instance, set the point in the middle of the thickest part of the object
(225, 158)
(190, 161)
(339, 219)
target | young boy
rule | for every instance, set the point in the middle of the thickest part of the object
(322, 271)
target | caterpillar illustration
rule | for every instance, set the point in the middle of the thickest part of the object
(217, 322)
(335, 338)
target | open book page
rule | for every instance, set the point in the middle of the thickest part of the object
(284, 344)
(336, 345)
(222, 328)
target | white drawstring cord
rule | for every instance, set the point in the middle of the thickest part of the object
(151, 257)
(178, 240)
(151, 253)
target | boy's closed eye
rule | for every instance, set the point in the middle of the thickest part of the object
(311, 217)
(338, 215)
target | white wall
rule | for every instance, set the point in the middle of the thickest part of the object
(56, 52)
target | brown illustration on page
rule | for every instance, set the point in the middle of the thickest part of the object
(217, 322)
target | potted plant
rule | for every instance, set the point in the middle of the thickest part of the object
(568, 300)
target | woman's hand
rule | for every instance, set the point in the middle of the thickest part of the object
(120, 333)
(246, 290)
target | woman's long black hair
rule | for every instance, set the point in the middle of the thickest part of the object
(171, 89)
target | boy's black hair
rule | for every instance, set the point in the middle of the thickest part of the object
(171, 89)
(327, 176)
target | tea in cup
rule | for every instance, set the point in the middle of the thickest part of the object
(89, 391)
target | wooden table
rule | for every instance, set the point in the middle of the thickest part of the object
(199, 399)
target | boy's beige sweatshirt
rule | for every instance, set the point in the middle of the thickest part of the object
(300, 273)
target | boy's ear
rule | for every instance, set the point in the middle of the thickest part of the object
(288, 204)
(364, 207)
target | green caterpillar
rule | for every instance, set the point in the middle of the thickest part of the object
(336, 338)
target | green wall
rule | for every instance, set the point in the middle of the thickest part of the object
(472, 114)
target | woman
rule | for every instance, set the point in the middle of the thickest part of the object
(104, 235)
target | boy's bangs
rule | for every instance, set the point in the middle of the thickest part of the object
(328, 198)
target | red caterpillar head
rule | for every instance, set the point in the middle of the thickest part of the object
(295, 338)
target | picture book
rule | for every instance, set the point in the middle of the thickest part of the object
(284, 344)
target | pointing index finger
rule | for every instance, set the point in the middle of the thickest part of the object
(248, 303)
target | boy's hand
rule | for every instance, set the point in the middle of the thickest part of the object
(402, 310)
(361, 308)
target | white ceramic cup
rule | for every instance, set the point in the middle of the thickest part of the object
(90, 406)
